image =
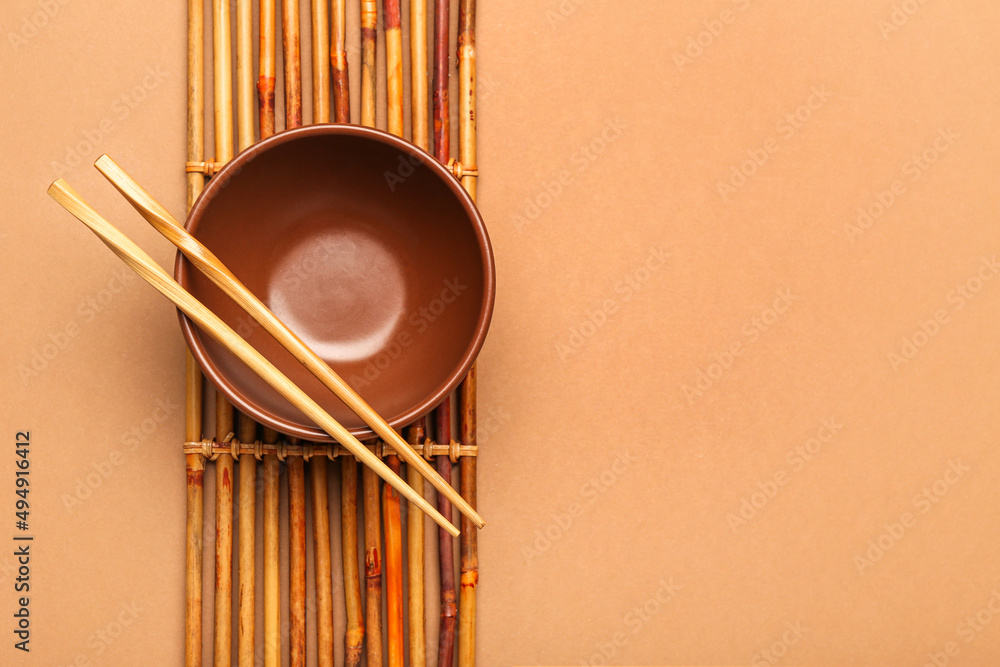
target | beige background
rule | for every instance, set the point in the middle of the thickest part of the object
(585, 418)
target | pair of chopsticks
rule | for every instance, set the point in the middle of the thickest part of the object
(209, 264)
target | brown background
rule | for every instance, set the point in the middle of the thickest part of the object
(559, 588)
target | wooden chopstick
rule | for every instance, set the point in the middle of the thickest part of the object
(214, 269)
(209, 322)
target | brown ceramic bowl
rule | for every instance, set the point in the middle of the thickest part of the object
(368, 249)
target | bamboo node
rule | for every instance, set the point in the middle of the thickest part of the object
(460, 170)
(209, 167)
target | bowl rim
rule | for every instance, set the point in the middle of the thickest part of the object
(182, 266)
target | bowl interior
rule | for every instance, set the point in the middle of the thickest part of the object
(367, 249)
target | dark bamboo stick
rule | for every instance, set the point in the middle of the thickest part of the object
(338, 56)
(355, 634)
(442, 149)
(446, 554)
(415, 558)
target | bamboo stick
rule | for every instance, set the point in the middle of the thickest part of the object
(223, 539)
(446, 555)
(341, 78)
(195, 469)
(394, 65)
(469, 543)
(321, 552)
(442, 130)
(248, 428)
(393, 569)
(373, 569)
(390, 501)
(244, 74)
(355, 634)
(369, 41)
(247, 545)
(222, 73)
(194, 463)
(213, 267)
(355, 628)
(415, 559)
(369, 483)
(442, 71)
(321, 60)
(293, 66)
(416, 433)
(272, 592)
(265, 80)
(271, 466)
(222, 59)
(296, 562)
(418, 74)
(296, 472)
